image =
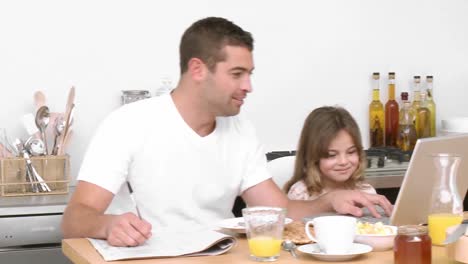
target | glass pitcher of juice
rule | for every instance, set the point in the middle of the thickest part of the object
(446, 204)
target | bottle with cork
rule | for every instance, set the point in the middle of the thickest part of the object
(391, 114)
(431, 103)
(423, 118)
(376, 114)
(406, 129)
(416, 97)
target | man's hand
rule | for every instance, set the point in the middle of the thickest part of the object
(351, 202)
(127, 230)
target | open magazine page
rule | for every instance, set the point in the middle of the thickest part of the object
(169, 244)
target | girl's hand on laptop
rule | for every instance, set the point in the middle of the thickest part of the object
(352, 202)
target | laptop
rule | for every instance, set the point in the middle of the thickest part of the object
(412, 205)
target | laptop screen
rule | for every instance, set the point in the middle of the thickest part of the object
(413, 202)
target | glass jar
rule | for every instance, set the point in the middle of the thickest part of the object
(129, 96)
(412, 245)
(165, 86)
(446, 207)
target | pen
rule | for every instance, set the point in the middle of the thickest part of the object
(133, 199)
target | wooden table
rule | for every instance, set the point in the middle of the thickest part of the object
(80, 251)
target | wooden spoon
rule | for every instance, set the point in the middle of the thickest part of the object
(66, 140)
(68, 111)
(39, 99)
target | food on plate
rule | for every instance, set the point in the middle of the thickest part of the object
(366, 228)
(295, 231)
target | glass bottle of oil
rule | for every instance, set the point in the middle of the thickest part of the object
(416, 92)
(391, 114)
(416, 97)
(406, 131)
(376, 114)
(431, 104)
(423, 118)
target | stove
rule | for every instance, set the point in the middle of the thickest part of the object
(386, 161)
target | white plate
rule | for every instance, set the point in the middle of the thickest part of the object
(356, 250)
(237, 224)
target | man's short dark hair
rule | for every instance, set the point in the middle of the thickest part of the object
(206, 38)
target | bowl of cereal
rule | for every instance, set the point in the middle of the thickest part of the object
(379, 236)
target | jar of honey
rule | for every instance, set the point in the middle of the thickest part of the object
(412, 245)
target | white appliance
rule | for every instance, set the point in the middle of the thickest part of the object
(30, 229)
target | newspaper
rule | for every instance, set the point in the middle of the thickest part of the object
(169, 244)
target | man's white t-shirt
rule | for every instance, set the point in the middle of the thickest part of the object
(178, 178)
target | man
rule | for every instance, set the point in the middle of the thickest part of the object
(187, 155)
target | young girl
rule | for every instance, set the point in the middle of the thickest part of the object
(330, 156)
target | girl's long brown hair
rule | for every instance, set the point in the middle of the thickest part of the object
(320, 128)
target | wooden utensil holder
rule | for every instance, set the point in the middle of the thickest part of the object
(55, 171)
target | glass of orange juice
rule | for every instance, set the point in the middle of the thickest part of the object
(264, 227)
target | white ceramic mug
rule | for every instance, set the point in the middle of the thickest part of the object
(334, 234)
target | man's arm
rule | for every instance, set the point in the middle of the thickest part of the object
(267, 193)
(84, 217)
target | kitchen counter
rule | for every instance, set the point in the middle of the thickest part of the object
(34, 204)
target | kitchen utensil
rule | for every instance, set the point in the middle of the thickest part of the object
(71, 96)
(42, 184)
(69, 123)
(288, 245)
(39, 99)
(35, 146)
(33, 175)
(68, 111)
(65, 136)
(457, 233)
(59, 127)
(42, 120)
(66, 140)
(19, 145)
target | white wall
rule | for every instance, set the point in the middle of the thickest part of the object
(307, 54)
